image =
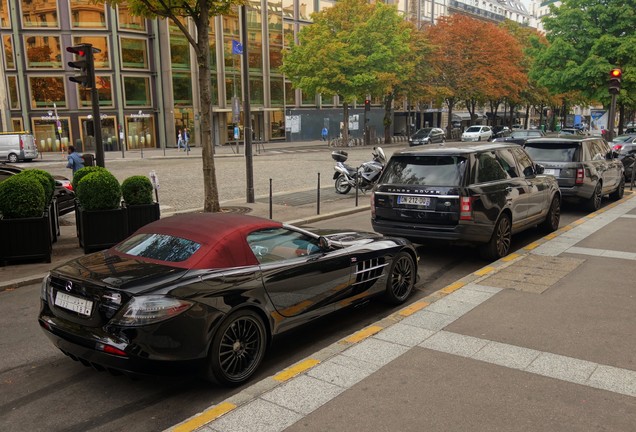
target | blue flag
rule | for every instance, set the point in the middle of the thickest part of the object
(237, 47)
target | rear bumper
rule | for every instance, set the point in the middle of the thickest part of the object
(465, 231)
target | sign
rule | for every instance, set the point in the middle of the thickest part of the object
(237, 132)
(140, 115)
(154, 179)
(292, 123)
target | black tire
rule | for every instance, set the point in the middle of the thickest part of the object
(499, 244)
(401, 279)
(237, 349)
(342, 187)
(552, 219)
(619, 192)
(594, 202)
(13, 158)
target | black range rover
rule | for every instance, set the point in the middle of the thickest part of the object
(474, 193)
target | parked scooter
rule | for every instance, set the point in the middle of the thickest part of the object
(365, 176)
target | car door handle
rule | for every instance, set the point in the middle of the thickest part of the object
(509, 189)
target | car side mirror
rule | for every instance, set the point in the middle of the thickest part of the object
(540, 169)
(324, 243)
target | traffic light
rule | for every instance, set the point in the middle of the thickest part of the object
(615, 81)
(83, 62)
(367, 105)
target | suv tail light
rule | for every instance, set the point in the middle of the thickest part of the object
(580, 176)
(466, 208)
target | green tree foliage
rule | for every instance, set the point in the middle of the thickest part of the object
(200, 12)
(352, 49)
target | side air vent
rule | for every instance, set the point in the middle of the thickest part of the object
(367, 273)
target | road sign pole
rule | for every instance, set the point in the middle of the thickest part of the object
(610, 121)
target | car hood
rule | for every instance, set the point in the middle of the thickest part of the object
(119, 272)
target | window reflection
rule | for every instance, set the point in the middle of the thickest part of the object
(137, 91)
(134, 53)
(305, 9)
(129, 22)
(182, 88)
(41, 13)
(47, 90)
(102, 58)
(104, 89)
(160, 247)
(47, 138)
(4, 14)
(87, 14)
(9, 60)
(14, 99)
(43, 52)
(179, 52)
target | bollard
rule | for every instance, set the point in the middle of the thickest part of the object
(318, 196)
(631, 184)
(357, 183)
(271, 200)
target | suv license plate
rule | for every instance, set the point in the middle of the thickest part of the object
(414, 200)
(550, 171)
(75, 304)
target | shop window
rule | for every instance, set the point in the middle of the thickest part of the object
(48, 137)
(87, 14)
(43, 13)
(102, 58)
(277, 122)
(9, 60)
(137, 91)
(141, 132)
(110, 136)
(45, 91)
(43, 52)
(134, 53)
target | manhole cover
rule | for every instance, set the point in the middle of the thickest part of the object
(235, 209)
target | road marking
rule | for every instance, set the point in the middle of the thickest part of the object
(296, 369)
(511, 257)
(484, 271)
(205, 417)
(363, 334)
(452, 287)
(408, 311)
(532, 246)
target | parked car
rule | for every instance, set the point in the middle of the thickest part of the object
(477, 133)
(468, 193)
(627, 154)
(630, 130)
(520, 136)
(206, 292)
(500, 131)
(585, 167)
(427, 136)
(17, 146)
(566, 132)
(618, 142)
(63, 188)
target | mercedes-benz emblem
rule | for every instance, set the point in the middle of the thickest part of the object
(69, 286)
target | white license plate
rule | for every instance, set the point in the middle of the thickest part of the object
(414, 200)
(549, 171)
(75, 304)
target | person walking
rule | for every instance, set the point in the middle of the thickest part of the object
(186, 139)
(179, 140)
(324, 133)
(75, 161)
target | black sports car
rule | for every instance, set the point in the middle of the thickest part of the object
(209, 290)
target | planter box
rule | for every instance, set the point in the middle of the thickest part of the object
(26, 239)
(101, 229)
(140, 215)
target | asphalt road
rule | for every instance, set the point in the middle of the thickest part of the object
(42, 390)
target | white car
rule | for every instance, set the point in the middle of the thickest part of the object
(477, 133)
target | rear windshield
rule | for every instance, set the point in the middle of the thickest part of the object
(473, 129)
(159, 246)
(425, 170)
(554, 152)
(422, 133)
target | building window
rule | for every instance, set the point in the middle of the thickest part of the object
(277, 91)
(104, 90)
(256, 90)
(101, 59)
(179, 53)
(42, 13)
(134, 53)
(47, 137)
(14, 98)
(141, 132)
(17, 124)
(290, 94)
(182, 88)
(288, 9)
(87, 14)
(137, 91)
(232, 88)
(288, 34)
(307, 99)
(305, 9)
(5, 22)
(129, 22)
(47, 90)
(43, 52)
(9, 60)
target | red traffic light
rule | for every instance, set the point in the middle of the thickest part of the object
(616, 73)
(77, 50)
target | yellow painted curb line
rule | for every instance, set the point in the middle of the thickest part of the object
(551, 236)
(363, 334)
(452, 287)
(532, 246)
(484, 271)
(205, 417)
(511, 257)
(408, 311)
(296, 369)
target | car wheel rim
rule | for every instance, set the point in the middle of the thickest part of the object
(402, 277)
(503, 237)
(240, 348)
(556, 214)
(597, 197)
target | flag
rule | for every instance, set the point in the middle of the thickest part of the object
(237, 47)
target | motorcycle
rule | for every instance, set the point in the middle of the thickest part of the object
(365, 176)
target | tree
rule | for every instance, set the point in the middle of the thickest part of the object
(352, 50)
(200, 12)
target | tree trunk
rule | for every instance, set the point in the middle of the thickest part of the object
(450, 102)
(388, 104)
(527, 117)
(345, 121)
(210, 189)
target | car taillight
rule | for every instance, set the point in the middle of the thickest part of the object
(373, 204)
(67, 185)
(466, 208)
(149, 309)
(580, 176)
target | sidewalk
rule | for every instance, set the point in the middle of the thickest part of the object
(540, 340)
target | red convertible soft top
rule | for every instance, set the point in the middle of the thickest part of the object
(222, 237)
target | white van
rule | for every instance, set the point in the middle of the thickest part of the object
(17, 146)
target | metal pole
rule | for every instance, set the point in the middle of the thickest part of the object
(247, 119)
(612, 115)
(97, 119)
(318, 196)
(271, 200)
(357, 182)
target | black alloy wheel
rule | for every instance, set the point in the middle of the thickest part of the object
(553, 217)
(401, 279)
(594, 203)
(342, 186)
(620, 191)
(499, 244)
(237, 349)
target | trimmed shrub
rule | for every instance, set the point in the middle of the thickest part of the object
(46, 180)
(80, 173)
(137, 190)
(21, 197)
(99, 190)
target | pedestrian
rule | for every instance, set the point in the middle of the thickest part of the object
(186, 139)
(324, 133)
(75, 161)
(179, 140)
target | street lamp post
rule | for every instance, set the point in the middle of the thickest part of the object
(247, 114)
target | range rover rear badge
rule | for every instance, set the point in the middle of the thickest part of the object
(69, 286)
